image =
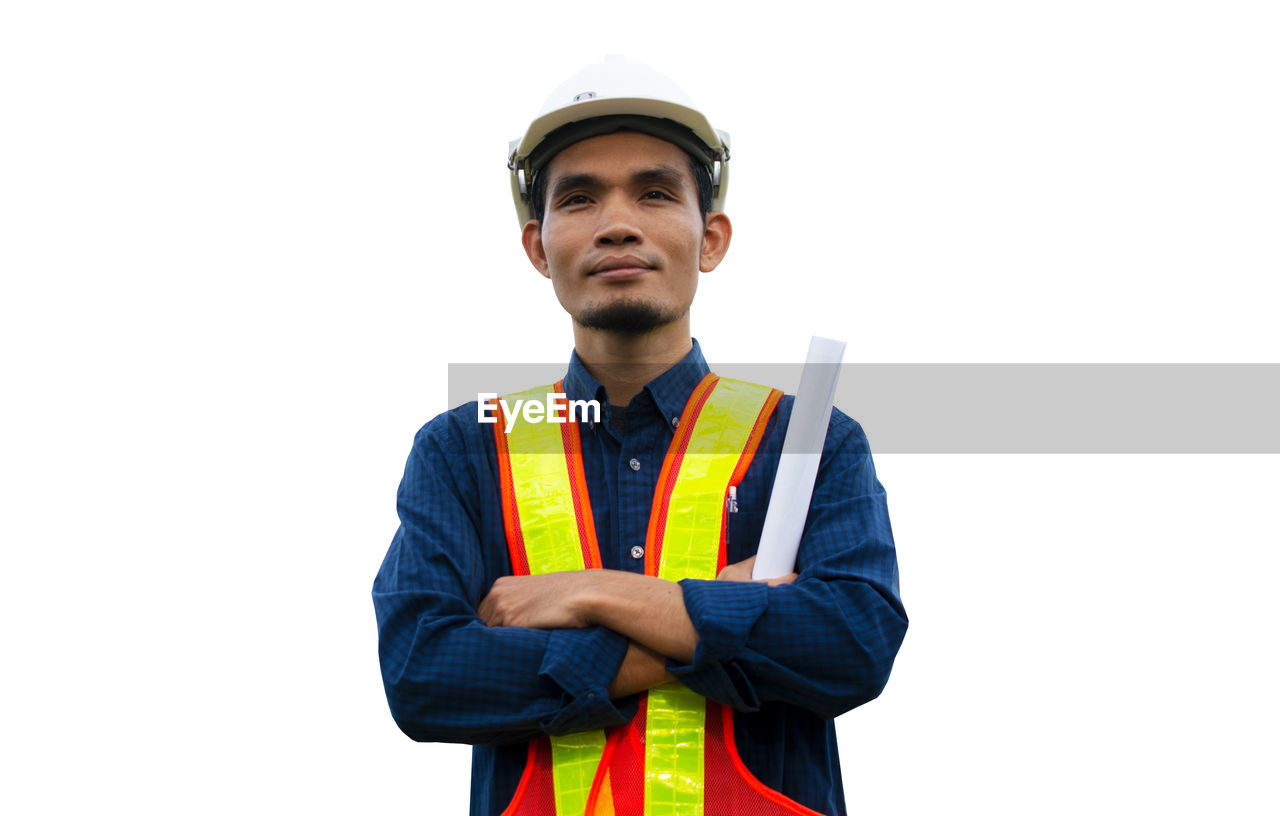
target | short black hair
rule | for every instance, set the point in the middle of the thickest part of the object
(701, 177)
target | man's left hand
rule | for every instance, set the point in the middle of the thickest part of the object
(546, 601)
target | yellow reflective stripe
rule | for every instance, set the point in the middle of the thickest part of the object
(674, 749)
(574, 759)
(544, 501)
(690, 542)
(675, 720)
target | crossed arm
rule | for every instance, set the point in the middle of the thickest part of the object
(467, 657)
(649, 611)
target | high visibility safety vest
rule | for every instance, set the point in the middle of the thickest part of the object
(677, 755)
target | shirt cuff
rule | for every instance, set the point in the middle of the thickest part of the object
(723, 613)
(583, 662)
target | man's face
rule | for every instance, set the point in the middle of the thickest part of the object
(622, 239)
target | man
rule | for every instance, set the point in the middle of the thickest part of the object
(562, 676)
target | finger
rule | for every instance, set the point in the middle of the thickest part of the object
(740, 571)
(486, 610)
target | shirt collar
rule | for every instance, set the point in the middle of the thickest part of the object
(670, 390)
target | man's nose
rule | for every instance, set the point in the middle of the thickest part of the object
(617, 224)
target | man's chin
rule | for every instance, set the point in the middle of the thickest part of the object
(625, 317)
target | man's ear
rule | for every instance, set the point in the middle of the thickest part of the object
(715, 241)
(531, 237)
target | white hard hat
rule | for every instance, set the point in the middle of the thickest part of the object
(620, 94)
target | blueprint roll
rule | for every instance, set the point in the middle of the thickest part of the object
(801, 453)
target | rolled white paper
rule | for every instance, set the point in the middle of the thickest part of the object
(801, 453)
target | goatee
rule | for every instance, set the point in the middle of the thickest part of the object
(626, 317)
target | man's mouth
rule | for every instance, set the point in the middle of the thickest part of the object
(627, 266)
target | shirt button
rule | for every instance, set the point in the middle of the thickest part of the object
(637, 552)
(675, 422)
(635, 464)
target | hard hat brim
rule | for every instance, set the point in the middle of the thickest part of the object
(635, 106)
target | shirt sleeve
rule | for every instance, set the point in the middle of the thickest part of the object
(826, 641)
(448, 676)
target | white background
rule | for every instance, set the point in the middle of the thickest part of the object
(241, 241)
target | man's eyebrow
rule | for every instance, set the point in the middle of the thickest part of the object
(666, 174)
(585, 181)
(663, 174)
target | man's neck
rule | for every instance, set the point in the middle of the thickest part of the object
(623, 364)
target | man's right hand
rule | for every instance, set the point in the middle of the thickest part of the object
(741, 571)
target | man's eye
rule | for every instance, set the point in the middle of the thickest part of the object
(657, 195)
(577, 198)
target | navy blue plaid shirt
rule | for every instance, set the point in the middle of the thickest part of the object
(788, 658)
